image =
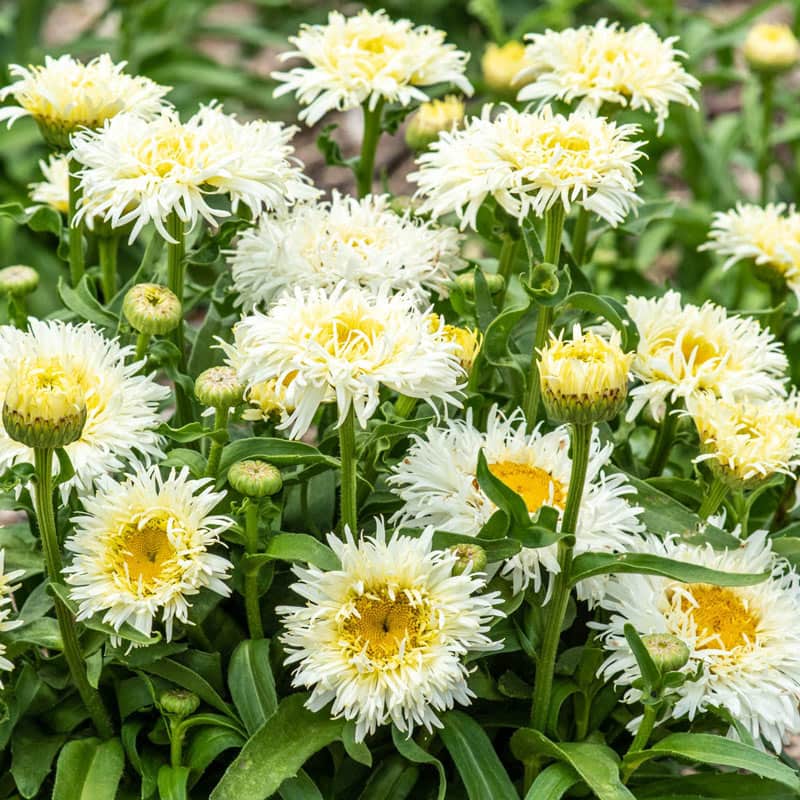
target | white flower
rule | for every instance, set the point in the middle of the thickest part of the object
(437, 482)
(142, 547)
(344, 346)
(65, 95)
(528, 162)
(685, 349)
(355, 242)
(771, 48)
(769, 237)
(53, 191)
(7, 588)
(604, 63)
(383, 638)
(122, 406)
(135, 170)
(368, 58)
(743, 641)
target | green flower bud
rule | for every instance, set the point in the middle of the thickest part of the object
(669, 653)
(179, 702)
(18, 280)
(219, 387)
(466, 282)
(468, 556)
(152, 309)
(254, 478)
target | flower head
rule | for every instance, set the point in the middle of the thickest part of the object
(152, 309)
(18, 280)
(744, 645)
(368, 58)
(142, 548)
(771, 48)
(53, 191)
(66, 95)
(383, 638)
(343, 346)
(502, 65)
(684, 349)
(361, 243)
(604, 63)
(437, 481)
(431, 118)
(466, 340)
(8, 586)
(528, 162)
(121, 405)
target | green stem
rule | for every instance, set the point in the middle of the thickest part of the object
(347, 453)
(642, 737)
(581, 440)
(18, 311)
(251, 604)
(505, 262)
(177, 735)
(76, 260)
(176, 253)
(107, 248)
(767, 96)
(142, 340)
(579, 235)
(369, 145)
(662, 444)
(778, 301)
(220, 423)
(713, 499)
(404, 406)
(45, 514)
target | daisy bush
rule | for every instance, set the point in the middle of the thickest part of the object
(399, 402)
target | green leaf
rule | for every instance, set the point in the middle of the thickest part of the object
(172, 782)
(490, 14)
(281, 452)
(410, 750)
(89, 769)
(587, 565)
(612, 311)
(650, 672)
(37, 218)
(251, 683)
(706, 748)
(358, 751)
(553, 782)
(277, 751)
(476, 760)
(32, 754)
(188, 433)
(297, 547)
(504, 497)
(496, 549)
(714, 786)
(498, 336)
(82, 301)
(300, 787)
(597, 765)
(188, 679)
(208, 743)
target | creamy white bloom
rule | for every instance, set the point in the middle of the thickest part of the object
(343, 346)
(64, 95)
(437, 482)
(528, 162)
(769, 237)
(604, 63)
(139, 171)
(142, 547)
(7, 588)
(744, 642)
(355, 242)
(771, 48)
(368, 58)
(383, 638)
(121, 405)
(53, 191)
(685, 349)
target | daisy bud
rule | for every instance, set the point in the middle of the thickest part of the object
(179, 702)
(467, 341)
(219, 387)
(431, 118)
(468, 556)
(152, 309)
(466, 282)
(771, 48)
(584, 380)
(669, 653)
(501, 64)
(19, 280)
(254, 478)
(44, 408)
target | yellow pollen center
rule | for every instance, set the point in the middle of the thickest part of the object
(350, 336)
(721, 617)
(703, 349)
(536, 486)
(145, 549)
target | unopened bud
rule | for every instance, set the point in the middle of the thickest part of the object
(470, 557)
(219, 387)
(179, 702)
(431, 118)
(771, 48)
(152, 309)
(254, 478)
(494, 282)
(669, 653)
(19, 280)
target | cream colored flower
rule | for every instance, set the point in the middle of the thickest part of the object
(433, 117)
(142, 548)
(366, 59)
(502, 65)
(66, 95)
(361, 243)
(527, 163)
(383, 639)
(771, 47)
(53, 191)
(604, 63)
(467, 340)
(7, 589)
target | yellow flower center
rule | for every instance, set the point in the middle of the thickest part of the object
(46, 390)
(536, 486)
(144, 550)
(350, 335)
(722, 619)
(697, 345)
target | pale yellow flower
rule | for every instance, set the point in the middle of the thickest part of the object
(771, 47)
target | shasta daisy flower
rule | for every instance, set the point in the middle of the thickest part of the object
(343, 346)
(121, 405)
(368, 58)
(142, 548)
(355, 242)
(438, 484)
(744, 642)
(7, 588)
(767, 237)
(528, 162)
(684, 349)
(53, 191)
(383, 638)
(771, 48)
(139, 171)
(604, 63)
(66, 95)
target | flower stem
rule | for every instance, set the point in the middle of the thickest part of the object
(18, 311)
(641, 739)
(662, 444)
(554, 227)
(347, 453)
(107, 248)
(767, 96)
(45, 514)
(214, 453)
(76, 260)
(142, 340)
(366, 163)
(713, 498)
(176, 253)
(251, 603)
(404, 406)
(508, 254)
(778, 300)
(579, 235)
(581, 440)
